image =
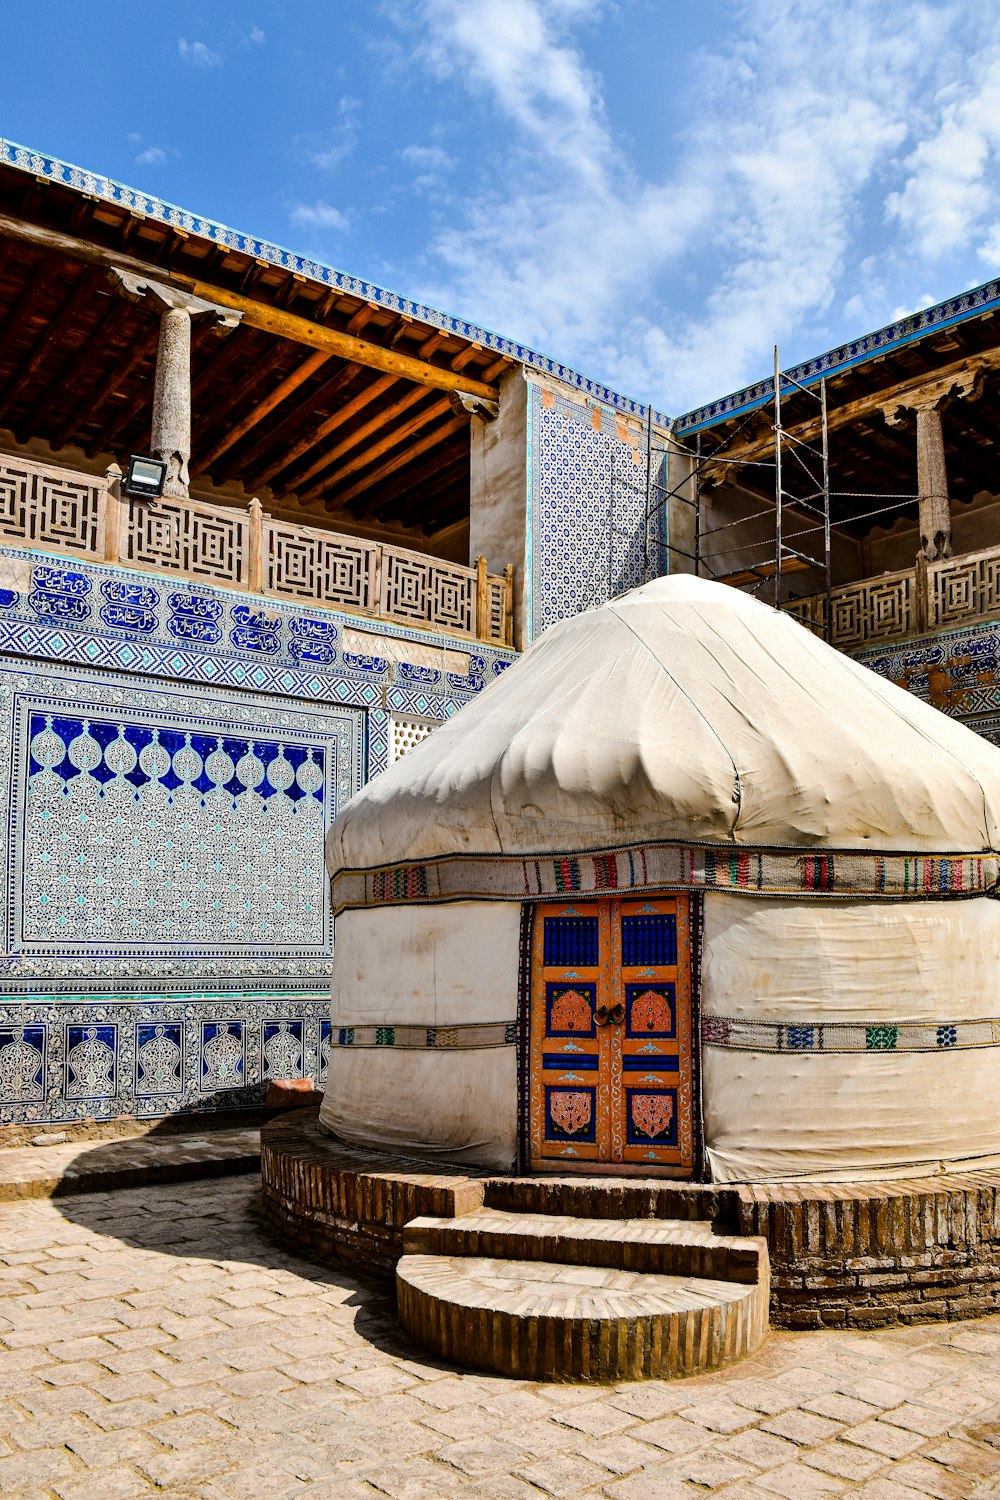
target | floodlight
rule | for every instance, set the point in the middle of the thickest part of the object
(145, 477)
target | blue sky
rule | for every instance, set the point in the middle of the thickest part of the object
(655, 191)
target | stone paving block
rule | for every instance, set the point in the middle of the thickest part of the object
(674, 1435)
(796, 1481)
(956, 1454)
(595, 1419)
(915, 1417)
(619, 1455)
(929, 1478)
(762, 1449)
(710, 1468)
(420, 1479)
(882, 1437)
(564, 1476)
(803, 1427)
(653, 1485)
(841, 1408)
(475, 1456)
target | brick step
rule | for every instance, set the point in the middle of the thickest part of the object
(536, 1320)
(651, 1246)
(605, 1197)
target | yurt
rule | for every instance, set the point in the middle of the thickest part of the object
(685, 893)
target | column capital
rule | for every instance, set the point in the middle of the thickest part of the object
(934, 394)
(171, 298)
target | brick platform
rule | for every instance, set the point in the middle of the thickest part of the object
(846, 1255)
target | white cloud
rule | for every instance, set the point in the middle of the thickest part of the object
(198, 54)
(318, 215)
(813, 134)
(948, 193)
(256, 36)
(329, 151)
(427, 158)
(153, 156)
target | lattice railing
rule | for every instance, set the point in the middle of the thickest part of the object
(58, 508)
(65, 511)
(303, 563)
(964, 587)
(956, 591)
(202, 541)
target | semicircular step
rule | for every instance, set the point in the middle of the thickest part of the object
(539, 1320)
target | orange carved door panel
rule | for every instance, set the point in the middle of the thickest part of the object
(610, 1069)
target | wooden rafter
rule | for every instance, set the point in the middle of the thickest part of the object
(369, 481)
(374, 451)
(380, 420)
(291, 383)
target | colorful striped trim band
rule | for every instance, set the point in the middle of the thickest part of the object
(767, 872)
(847, 1036)
(463, 1038)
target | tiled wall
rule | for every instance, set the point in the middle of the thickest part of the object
(588, 506)
(958, 671)
(171, 756)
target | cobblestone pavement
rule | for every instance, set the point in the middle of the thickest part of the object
(156, 1341)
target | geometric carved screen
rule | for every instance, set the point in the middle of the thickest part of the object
(426, 589)
(875, 609)
(964, 588)
(203, 542)
(406, 733)
(45, 507)
(303, 564)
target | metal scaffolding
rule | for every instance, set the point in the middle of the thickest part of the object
(799, 517)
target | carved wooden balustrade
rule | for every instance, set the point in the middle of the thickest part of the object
(87, 516)
(928, 596)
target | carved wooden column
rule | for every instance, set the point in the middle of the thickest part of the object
(171, 427)
(928, 401)
(932, 485)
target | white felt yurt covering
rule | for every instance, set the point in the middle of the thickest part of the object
(687, 737)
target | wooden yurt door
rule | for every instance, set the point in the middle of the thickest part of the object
(610, 1067)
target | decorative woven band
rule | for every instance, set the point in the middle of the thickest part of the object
(476, 1035)
(848, 1036)
(775, 872)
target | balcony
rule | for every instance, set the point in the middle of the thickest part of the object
(933, 596)
(87, 516)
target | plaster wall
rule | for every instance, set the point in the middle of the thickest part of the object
(974, 528)
(498, 497)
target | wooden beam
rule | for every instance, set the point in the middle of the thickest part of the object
(864, 406)
(391, 439)
(368, 481)
(257, 314)
(280, 433)
(65, 377)
(263, 408)
(381, 418)
(92, 401)
(335, 420)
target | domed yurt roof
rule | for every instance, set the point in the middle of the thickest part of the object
(682, 712)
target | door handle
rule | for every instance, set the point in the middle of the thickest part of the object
(610, 1015)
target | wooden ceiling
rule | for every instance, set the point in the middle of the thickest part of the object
(336, 430)
(869, 458)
